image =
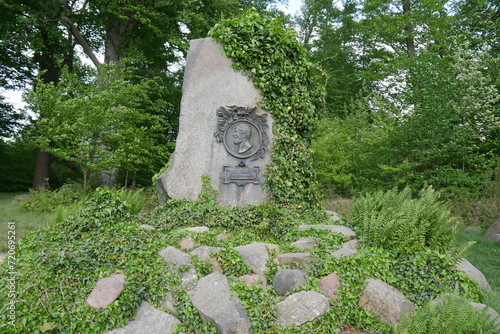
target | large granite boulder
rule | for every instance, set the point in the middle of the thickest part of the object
(475, 274)
(301, 259)
(254, 255)
(286, 280)
(148, 321)
(493, 232)
(491, 312)
(209, 84)
(329, 285)
(177, 259)
(346, 231)
(385, 301)
(301, 307)
(107, 290)
(213, 299)
(343, 252)
(305, 243)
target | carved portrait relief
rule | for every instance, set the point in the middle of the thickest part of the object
(243, 132)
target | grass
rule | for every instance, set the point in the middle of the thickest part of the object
(342, 206)
(485, 256)
(26, 221)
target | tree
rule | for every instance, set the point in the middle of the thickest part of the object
(33, 29)
(331, 33)
(448, 133)
(9, 119)
(98, 127)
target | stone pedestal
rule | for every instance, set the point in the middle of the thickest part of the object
(213, 96)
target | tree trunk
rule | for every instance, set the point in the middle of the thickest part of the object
(50, 73)
(134, 180)
(42, 167)
(410, 42)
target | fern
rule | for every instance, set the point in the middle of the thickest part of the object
(395, 220)
(452, 315)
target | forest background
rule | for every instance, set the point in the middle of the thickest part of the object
(412, 92)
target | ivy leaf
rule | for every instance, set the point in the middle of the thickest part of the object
(48, 326)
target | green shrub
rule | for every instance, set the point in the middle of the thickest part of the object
(394, 220)
(452, 315)
(48, 200)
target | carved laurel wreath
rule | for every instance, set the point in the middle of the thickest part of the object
(229, 114)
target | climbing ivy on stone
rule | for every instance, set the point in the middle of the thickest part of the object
(262, 48)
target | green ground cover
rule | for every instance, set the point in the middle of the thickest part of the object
(93, 244)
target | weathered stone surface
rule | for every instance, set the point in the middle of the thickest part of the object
(346, 231)
(303, 259)
(305, 243)
(186, 243)
(385, 301)
(329, 284)
(493, 229)
(351, 244)
(214, 301)
(172, 255)
(301, 307)
(146, 227)
(255, 255)
(107, 290)
(205, 254)
(475, 274)
(343, 252)
(493, 232)
(254, 279)
(286, 280)
(197, 229)
(335, 218)
(177, 258)
(148, 321)
(491, 312)
(210, 83)
(495, 238)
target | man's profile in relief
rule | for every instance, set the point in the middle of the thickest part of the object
(241, 137)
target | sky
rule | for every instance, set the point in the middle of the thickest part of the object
(292, 8)
(15, 97)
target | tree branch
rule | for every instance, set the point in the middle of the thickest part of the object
(79, 37)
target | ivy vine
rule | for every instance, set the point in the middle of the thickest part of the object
(269, 53)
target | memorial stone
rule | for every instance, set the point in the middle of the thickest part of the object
(222, 132)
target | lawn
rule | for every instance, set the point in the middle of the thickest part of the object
(25, 221)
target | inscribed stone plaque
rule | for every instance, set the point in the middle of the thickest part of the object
(209, 85)
(241, 174)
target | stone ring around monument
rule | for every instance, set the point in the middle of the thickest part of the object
(242, 139)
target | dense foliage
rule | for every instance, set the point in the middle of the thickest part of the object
(103, 127)
(412, 94)
(45, 38)
(264, 49)
(395, 220)
(451, 315)
(58, 267)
